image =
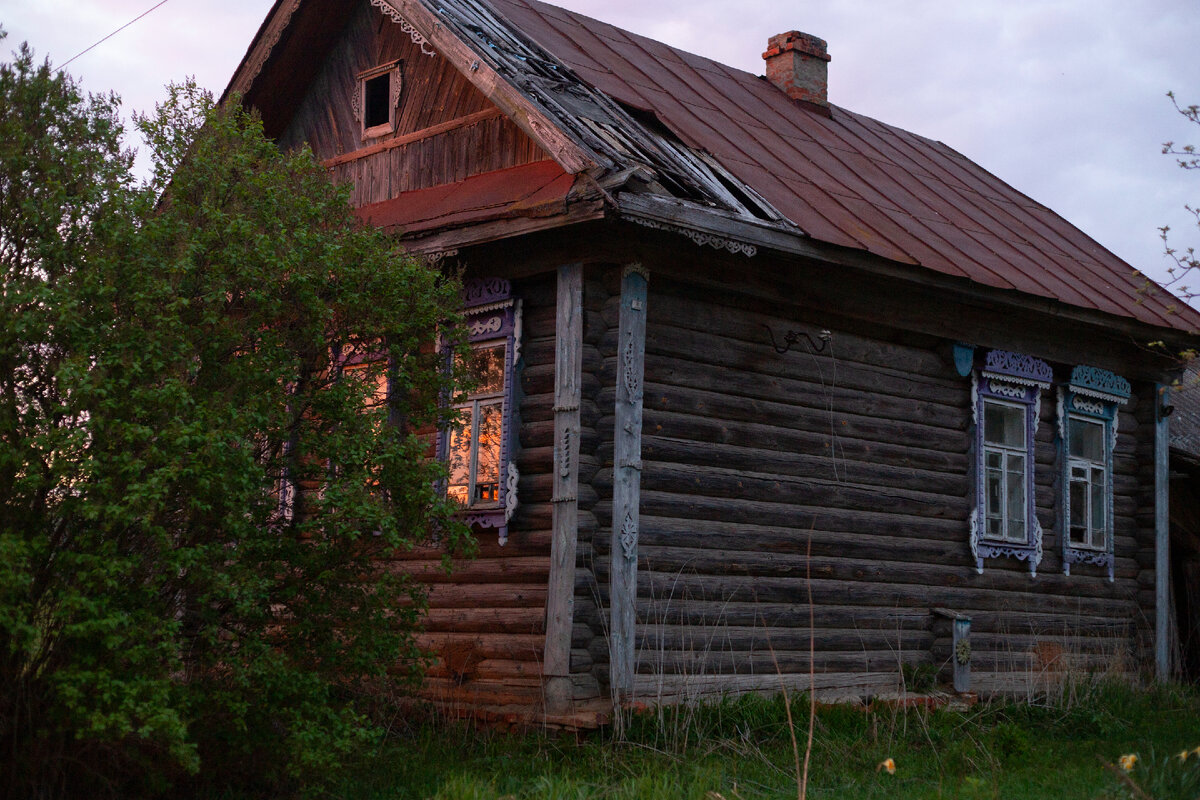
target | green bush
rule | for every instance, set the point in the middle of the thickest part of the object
(169, 361)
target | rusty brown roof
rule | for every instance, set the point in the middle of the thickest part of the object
(850, 180)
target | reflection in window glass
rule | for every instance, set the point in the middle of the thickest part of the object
(1088, 491)
(460, 459)
(376, 374)
(1004, 425)
(1087, 439)
(489, 369)
(474, 452)
(487, 478)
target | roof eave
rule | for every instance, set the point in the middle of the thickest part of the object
(725, 231)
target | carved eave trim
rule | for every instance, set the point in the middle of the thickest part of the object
(700, 238)
(256, 57)
(405, 26)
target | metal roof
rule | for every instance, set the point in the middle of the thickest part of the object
(847, 179)
(537, 189)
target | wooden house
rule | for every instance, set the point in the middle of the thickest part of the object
(765, 374)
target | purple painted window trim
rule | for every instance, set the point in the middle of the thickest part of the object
(1013, 379)
(492, 314)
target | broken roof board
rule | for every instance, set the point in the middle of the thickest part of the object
(843, 179)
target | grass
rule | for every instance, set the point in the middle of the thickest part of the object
(742, 749)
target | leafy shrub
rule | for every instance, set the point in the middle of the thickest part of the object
(170, 372)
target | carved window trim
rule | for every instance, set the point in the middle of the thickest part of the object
(493, 317)
(1093, 396)
(362, 98)
(1007, 380)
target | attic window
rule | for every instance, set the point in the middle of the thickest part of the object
(377, 96)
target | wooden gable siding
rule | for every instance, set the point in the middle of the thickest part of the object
(446, 129)
(749, 455)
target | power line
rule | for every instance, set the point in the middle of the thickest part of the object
(114, 33)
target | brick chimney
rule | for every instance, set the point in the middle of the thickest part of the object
(798, 64)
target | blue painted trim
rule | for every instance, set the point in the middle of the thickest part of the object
(964, 358)
(1100, 383)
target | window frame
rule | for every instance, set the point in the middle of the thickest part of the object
(493, 316)
(359, 101)
(1093, 396)
(1010, 380)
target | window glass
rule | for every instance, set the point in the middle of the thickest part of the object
(1079, 499)
(1087, 439)
(487, 477)
(995, 503)
(1004, 424)
(1088, 492)
(1099, 508)
(474, 450)
(460, 460)
(1015, 479)
(489, 370)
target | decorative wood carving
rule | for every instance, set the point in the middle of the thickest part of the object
(1100, 383)
(568, 364)
(631, 371)
(412, 32)
(483, 291)
(1018, 378)
(629, 537)
(702, 239)
(263, 52)
(627, 457)
(1018, 368)
(491, 313)
(1093, 393)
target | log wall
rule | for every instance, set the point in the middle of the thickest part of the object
(486, 622)
(860, 453)
(446, 129)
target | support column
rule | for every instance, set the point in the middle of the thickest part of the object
(1162, 535)
(560, 599)
(627, 478)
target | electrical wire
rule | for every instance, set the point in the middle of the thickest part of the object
(114, 33)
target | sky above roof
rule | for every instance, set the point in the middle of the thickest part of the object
(1063, 99)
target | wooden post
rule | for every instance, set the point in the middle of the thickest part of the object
(1162, 540)
(960, 644)
(560, 600)
(627, 477)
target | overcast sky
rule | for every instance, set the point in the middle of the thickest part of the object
(1063, 99)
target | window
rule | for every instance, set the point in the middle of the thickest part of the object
(482, 475)
(1087, 427)
(1005, 463)
(1006, 409)
(376, 98)
(474, 449)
